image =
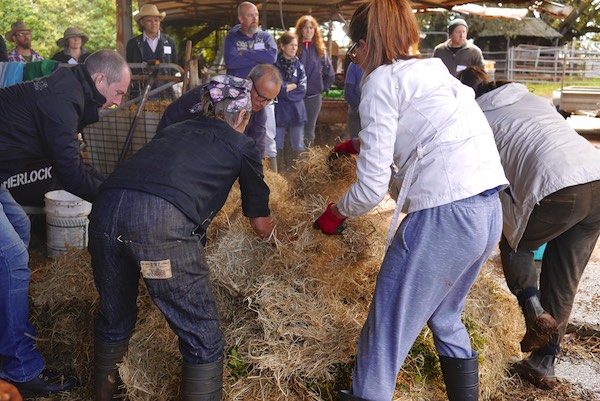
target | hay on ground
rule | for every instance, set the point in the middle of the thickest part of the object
(291, 311)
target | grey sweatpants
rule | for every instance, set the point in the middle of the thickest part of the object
(426, 274)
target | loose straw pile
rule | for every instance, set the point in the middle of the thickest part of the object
(291, 310)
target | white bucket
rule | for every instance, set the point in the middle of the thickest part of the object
(66, 221)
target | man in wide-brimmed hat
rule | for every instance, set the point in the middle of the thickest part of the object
(152, 45)
(72, 43)
(21, 36)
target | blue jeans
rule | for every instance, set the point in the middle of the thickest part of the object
(134, 233)
(425, 277)
(19, 360)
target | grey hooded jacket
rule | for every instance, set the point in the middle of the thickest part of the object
(539, 150)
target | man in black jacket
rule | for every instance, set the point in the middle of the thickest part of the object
(39, 120)
(152, 45)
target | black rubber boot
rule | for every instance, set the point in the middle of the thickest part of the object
(540, 324)
(106, 372)
(202, 382)
(280, 162)
(461, 377)
(538, 368)
(346, 396)
(273, 164)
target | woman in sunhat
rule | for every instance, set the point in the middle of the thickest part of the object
(72, 43)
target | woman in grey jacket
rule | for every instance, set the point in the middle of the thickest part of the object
(553, 198)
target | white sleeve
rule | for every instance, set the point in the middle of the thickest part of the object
(379, 111)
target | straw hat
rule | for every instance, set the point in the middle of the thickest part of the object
(72, 32)
(18, 26)
(149, 10)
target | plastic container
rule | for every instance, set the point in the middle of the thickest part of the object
(66, 221)
(538, 254)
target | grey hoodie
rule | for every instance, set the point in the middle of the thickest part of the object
(539, 151)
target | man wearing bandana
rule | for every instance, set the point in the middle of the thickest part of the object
(151, 219)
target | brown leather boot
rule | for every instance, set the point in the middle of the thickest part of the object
(540, 324)
(538, 369)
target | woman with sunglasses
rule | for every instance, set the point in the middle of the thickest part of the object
(420, 119)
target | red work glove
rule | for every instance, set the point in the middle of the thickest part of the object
(346, 146)
(328, 223)
(344, 149)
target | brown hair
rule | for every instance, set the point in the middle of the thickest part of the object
(287, 37)
(317, 39)
(372, 21)
(476, 78)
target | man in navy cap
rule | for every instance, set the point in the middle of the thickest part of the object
(456, 53)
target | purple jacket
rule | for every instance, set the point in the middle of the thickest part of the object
(352, 85)
(242, 52)
(319, 73)
(290, 109)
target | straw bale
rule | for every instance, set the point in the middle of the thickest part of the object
(291, 310)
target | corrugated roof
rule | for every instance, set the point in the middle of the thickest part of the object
(531, 27)
(224, 12)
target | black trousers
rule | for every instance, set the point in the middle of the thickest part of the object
(569, 222)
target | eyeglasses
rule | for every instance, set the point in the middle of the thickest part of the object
(352, 52)
(23, 34)
(263, 99)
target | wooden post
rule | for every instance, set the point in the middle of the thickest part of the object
(124, 28)
(186, 66)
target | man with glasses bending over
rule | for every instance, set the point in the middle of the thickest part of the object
(21, 36)
(266, 83)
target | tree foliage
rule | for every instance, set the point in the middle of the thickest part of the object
(49, 18)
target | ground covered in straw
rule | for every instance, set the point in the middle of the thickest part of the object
(291, 310)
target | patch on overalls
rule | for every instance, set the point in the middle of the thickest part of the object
(159, 269)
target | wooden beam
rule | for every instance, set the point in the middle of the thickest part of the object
(124, 29)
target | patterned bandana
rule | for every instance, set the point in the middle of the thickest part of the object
(222, 87)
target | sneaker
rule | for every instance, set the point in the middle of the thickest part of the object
(46, 383)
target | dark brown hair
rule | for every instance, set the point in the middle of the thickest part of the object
(479, 80)
(287, 37)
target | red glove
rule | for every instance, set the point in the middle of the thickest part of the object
(346, 146)
(328, 223)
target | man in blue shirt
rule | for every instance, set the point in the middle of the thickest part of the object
(246, 45)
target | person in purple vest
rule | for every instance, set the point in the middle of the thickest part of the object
(152, 45)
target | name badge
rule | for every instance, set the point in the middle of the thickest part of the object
(167, 49)
(259, 46)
